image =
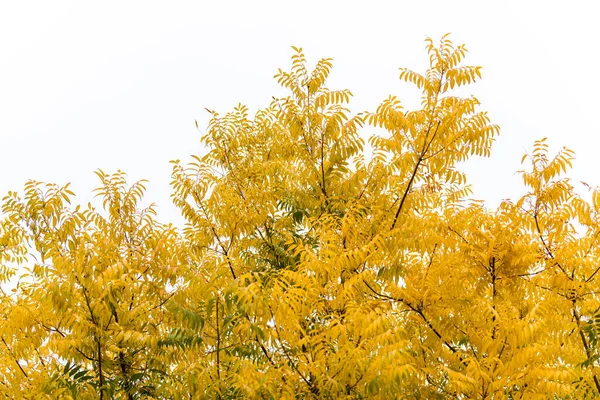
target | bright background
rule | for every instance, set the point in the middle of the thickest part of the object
(118, 84)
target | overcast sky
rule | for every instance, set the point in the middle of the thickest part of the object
(118, 84)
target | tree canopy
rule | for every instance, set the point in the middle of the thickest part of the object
(326, 254)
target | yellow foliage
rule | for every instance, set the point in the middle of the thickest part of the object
(310, 267)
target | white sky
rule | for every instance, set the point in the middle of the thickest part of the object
(118, 84)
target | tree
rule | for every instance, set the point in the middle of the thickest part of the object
(89, 313)
(313, 263)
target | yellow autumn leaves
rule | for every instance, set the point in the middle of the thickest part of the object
(308, 268)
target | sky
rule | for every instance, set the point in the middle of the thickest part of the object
(118, 84)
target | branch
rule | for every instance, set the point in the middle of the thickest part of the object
(586, 346)
(212, 228)
(522, 275)
(416, 310)
(592, 276)
(15, 358)
(218, 340)
(162, 303)
(313, 389)
(414, 173)
(97, 338)
(546, 247)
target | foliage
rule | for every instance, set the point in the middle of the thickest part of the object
(313, 263)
